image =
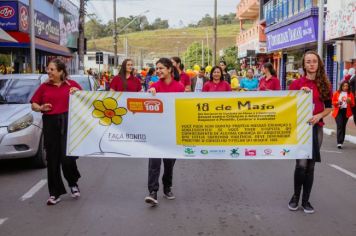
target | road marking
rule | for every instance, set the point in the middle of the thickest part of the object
(343, 170)
(34, 190)
(2, 221)
(332, 151)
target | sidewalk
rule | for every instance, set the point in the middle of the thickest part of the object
(330, 128)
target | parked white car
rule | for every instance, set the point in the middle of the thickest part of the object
(21, 128)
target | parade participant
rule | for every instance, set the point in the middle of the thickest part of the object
(52, 99)
(270, 80)
(199, 81)
(249, 83)
(125, 81)
(343, 101)
(168, 82)
(216, 82)
(353, 90)
(184, 78)
(151, 72)
(226, 75)
(315, 80)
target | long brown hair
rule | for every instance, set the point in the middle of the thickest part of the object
(122, 73)
(322, 82)
(60, 66)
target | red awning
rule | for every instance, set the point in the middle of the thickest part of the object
(23, 40)
(5, 37)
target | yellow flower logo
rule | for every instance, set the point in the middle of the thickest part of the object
(108, 112)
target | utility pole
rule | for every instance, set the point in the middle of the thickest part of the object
(81, 35)
(202, 53)
(32, 37)
(321, 28)
(115, 37)
(208, 46)
(215, 32)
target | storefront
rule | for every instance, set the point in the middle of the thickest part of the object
(288, 43)
(340, 36)
(14, 20)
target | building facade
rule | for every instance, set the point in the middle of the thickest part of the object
(251, 42)
(291, 30)
(56, 33)
(340, 31)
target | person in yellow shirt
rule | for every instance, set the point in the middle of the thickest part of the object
(235, 83)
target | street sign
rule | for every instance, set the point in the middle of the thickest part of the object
(99, 56)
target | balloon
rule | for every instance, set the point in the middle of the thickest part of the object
(208, 69)
(196, 67)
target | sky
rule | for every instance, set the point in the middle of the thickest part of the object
(175, 11)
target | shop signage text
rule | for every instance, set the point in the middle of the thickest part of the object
(300, 32)
(8, 17)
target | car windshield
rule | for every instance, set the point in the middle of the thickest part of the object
(83, 82)
(17, 91)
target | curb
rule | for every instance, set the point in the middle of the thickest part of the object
(349, 138)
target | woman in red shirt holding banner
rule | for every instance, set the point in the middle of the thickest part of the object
(52, 99)
(315, 80)
(216, 82)
(168, 83)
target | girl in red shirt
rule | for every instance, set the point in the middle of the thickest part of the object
(270, 80)
(52, 99)
(126, 80)
(314, 80)
(216, 82)
(168, 82)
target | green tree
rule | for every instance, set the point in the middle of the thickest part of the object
(94, 28)
(231, 59)
(160, 24)
(193, 55)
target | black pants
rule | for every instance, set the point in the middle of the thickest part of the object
(154, 169)
(55, 137)
(354, 113)
(304, 171)
(341, 121)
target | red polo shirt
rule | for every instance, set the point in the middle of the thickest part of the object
(184, 79)
(172, 87)
(319, 104)
(222, 86)
(133, 84)
(271, 84)
(57, 96)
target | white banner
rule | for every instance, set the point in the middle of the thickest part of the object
(224, 125)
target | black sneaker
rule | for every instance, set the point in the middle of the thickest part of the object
(152, 198)
(75, 191)
(307, 207)
(339, 146)
(168, 194)
(293, 203)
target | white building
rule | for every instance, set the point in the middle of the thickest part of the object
(108, 61)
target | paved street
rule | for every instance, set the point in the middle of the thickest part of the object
(213, 198)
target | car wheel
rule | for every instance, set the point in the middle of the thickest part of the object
(40, 159)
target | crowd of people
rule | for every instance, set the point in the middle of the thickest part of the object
(169, 76)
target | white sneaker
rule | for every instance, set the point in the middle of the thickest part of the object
(52, 200)
(75, 191)
(339, 146)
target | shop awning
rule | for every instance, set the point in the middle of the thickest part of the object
(5, 37)
(52, 48)
(22, 40)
